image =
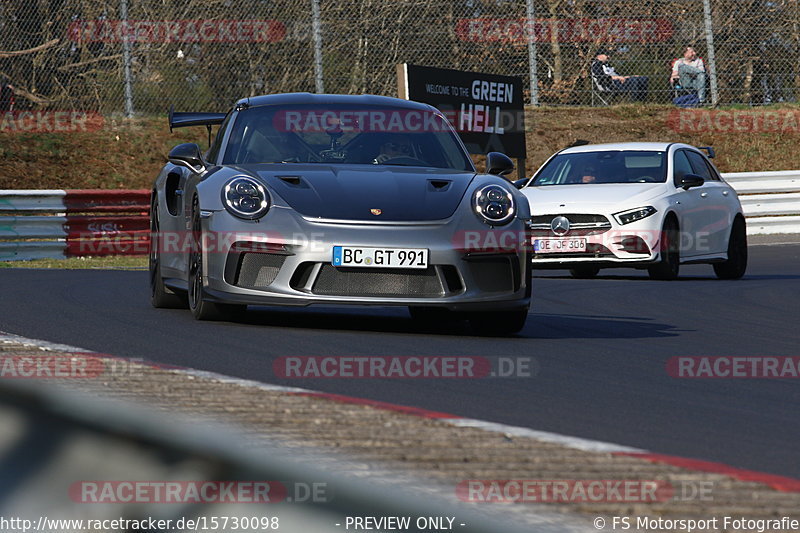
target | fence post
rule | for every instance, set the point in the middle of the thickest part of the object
(317, 29)
(532, 65)
(126, 57)
(712, 62)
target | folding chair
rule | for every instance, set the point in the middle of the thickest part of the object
(598, 90)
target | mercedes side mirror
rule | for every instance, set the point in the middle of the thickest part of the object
(187, 155)
(519, 184)
(691, 180)
(499, 164)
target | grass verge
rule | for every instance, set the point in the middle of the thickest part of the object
(123, 262)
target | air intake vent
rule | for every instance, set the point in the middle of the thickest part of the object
(258, 271)
(333, 281)
(291, 180)
(439, 185)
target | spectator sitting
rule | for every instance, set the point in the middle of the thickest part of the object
(690, 72)
(608, 78)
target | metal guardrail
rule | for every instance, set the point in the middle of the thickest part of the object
(55, 224)
(54, 440)
(771, 200)
(37, 224)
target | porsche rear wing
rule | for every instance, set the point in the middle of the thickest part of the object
(182, 120)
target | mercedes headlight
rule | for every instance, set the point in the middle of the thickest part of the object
(634, 215)
(245, 198)
(494, 205)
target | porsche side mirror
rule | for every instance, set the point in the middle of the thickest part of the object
(187, 155)
(498, 164)
(691, 180)
(521, 183)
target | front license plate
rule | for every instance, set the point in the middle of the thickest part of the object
(357, 256)
(550, 246)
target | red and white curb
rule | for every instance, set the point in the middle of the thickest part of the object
(776, 482)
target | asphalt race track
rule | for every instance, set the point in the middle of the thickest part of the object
(600, 346)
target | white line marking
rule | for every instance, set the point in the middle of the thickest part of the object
(545, 436)
(772, 243)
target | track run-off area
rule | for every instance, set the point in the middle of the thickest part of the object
(600, 349)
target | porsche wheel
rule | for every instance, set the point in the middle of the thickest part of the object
(736, 264)
(496, 323)
(670, 262)
(201, 308)
(160, 296)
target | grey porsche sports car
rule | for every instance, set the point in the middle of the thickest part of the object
(329, 199)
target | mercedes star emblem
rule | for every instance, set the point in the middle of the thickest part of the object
(560, 225)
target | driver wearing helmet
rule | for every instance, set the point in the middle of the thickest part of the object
(394, 147)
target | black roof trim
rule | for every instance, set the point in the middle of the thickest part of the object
(325, 99)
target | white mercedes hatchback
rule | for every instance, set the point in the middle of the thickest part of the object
(641, 205)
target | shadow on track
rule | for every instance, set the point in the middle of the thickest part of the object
(550, 326)
(539, 326)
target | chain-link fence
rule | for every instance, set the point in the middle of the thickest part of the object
(143, 55)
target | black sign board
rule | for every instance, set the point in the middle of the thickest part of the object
(486, 109)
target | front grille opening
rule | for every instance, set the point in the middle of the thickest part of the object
(254, 270)
(634, 245)
(493, 273)
(451, 279)
(580, 224)
(301, 275)
(405, 283)
(574, 218)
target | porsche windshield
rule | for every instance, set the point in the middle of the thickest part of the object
(349, 134)
(604, 167)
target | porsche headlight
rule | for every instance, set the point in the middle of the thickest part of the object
(634, 215)
(494, 205)
(245, 198)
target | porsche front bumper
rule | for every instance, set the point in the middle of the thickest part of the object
(291, 264)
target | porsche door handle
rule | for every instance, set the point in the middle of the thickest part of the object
(724, 193)
(703, 194)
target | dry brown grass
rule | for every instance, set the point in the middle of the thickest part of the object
(550, 130)
(129, 154)
(126, 154)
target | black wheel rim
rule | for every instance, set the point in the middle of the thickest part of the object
(154, 266)
(195, 260)
(739, 248)
(196, 274)
(671, 247)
